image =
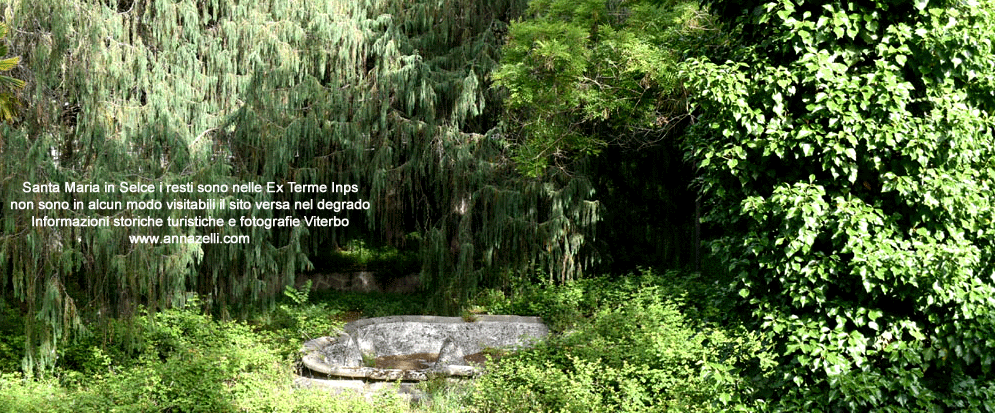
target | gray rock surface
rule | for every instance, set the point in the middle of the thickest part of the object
(449, 338)
(451, 353)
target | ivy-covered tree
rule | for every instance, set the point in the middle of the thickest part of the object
(390, 95)
(847, 149)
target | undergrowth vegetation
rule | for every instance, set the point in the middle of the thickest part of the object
(646, 341)
(384, 261)
(642, 342)
(181, 360)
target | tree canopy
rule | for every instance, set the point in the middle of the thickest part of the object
(392, 96)
(593, 89)
(582, 75)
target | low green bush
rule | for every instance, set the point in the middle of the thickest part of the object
(11, 350)
(180, 360)
(372, 304)
(18, 394)
(636, 351)
(297, 319)
(11, 338)
(706, 299)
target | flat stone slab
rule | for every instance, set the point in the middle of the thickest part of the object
(441, 345)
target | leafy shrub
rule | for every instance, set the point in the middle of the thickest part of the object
(11, 349)
(847, 153)
(371, 304)
(18, 394)
(184, 361)
(636, 352)
(707, 298)
(295, 319)
(180, 360)
(305, 320)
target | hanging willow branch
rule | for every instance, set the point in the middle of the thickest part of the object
(389, 95)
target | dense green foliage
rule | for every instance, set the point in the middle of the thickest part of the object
(639, 344)
(847, 153)
(583, 74)
(180, 360)
(645, 342)
(593, 89)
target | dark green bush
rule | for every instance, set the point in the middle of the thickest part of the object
(11, 349)
(371, 304)
(386, 261)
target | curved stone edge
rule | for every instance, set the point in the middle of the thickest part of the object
(453, 370)
(312, 349)
(389, 374)
(355, 325)
(360, 388)
(319, 343)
